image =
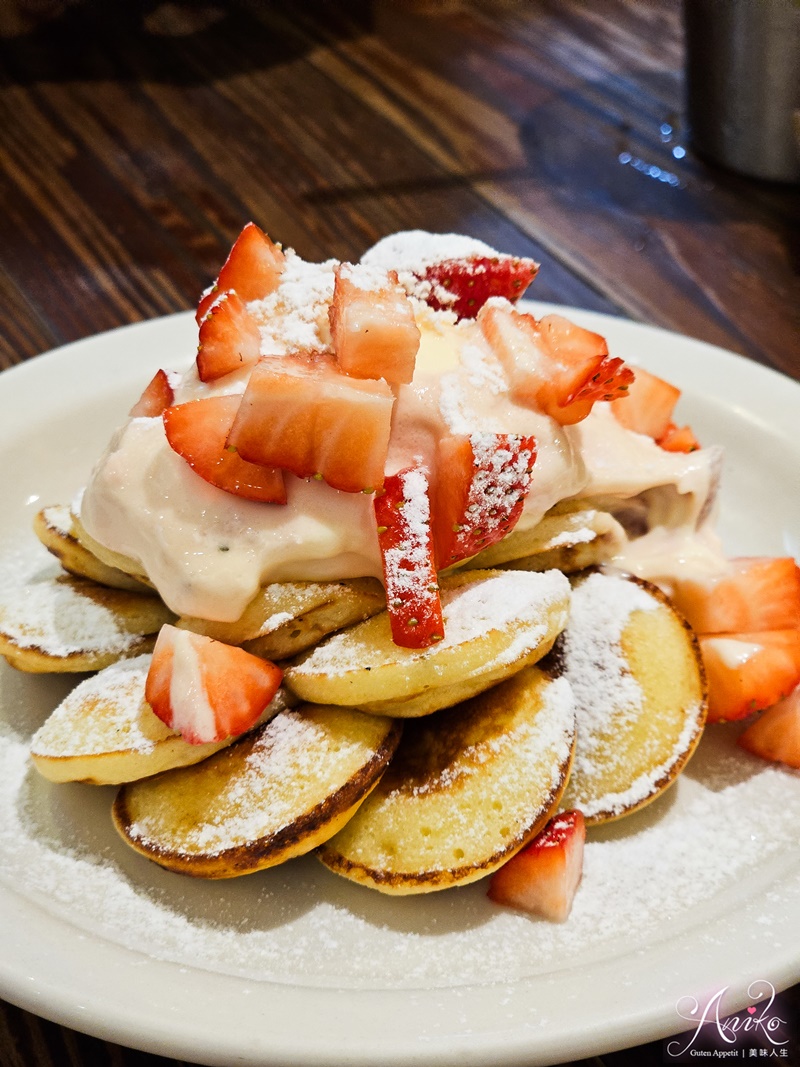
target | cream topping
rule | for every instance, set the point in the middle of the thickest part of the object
(208, 552)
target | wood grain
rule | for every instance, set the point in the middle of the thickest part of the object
(137, 138)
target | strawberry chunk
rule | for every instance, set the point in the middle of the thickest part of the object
(157, 396)
(748, 672)
(207, 690)
(403, 515)
(553, 365)
(775, 735)
(464, 285)
(198, 431)
(480, 491)
(750, 595)
(229, 338)
(253, 268)
(677, 438)
(303, 415)
(648, 407)
(544, 877)
(373, 328)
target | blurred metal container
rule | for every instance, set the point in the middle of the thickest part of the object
(743, 84)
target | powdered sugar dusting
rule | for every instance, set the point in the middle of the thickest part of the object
(55, 615)
(607, 695)
(111, 710)
(415, 250)
(516, 601)
(411, 252)
(550, 731)
(292, 759)
(670, 868)
(370, 277)
(294, 318)
(59, 518)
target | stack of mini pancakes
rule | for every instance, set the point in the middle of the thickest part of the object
(556, 686)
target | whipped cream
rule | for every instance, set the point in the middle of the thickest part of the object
(208, 552)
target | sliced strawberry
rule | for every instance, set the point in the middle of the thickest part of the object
(553, 365)
(229, 338)
(480, 491)
(206, 690)
(157, 396)
(648, 407)
(544, 877)
(198, 431)
(464, 285)
(750, 595)
(403, 515)
(253, 268)
(749, 671)
(775, 735)
(678, 438)
(372, 324)
(305, 416)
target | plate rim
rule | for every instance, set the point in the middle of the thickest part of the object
(43, 993)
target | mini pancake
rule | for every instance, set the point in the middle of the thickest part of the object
(115, 560)
(54, 528)
(571, 536)
(495, 622)
(67, 624)
(104, 732)
(276, 793)
(640, 694)
(467, 788)
(286, 618)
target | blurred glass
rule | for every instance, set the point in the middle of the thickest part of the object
(743, 84)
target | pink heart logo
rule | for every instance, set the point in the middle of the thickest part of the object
(752, 1010)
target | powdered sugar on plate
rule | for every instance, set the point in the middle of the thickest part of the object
(664, 869)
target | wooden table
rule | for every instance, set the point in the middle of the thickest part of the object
(137, 138)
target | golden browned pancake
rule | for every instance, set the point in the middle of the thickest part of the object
(467, 788)
(54, 526)
(73, 624)
(571, 536)
(278, 792)
(640, 695)
(286, 618)
(104, 732)
(496, 623)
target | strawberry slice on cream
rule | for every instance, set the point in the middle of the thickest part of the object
(553, 365)
(403, 516)
(480, 491)
(253, 268)
(303, 415)
(748, 672)
(229, 338)
(373, 330)
(198, 431)
(749, 594)
(157, 396)
(207, 690)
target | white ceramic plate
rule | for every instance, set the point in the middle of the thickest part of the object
(696, 894)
